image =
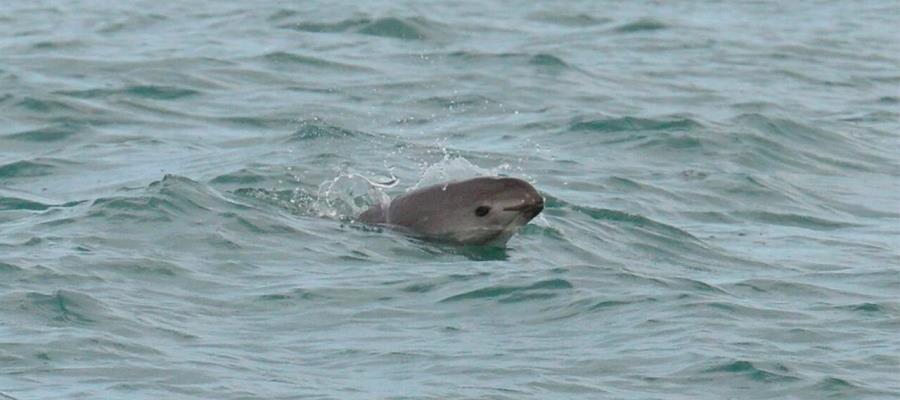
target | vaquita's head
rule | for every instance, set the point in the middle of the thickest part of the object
(485, 210)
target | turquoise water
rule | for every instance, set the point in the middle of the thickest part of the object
(177, 186)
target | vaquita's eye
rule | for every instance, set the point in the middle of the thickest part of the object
(482, 211)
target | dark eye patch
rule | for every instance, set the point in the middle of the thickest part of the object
(482, 211)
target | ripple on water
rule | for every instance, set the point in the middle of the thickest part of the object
(515, 293)
(141, 268)
(796, 220)
(161, 201)
(400, 28)
(154, 92)
(240, 177)
(779, 142)
(620, 124)
(837, 388)
(562, 18)
(7, 268)
(60, 307)
(14, 203)
(758, 372)
(623, 217)
(322, 27)
(786, 289)
(548, 60)
(414, 28)
(591, 307)
(46, 106)
(544, 62)
(47, 134)
(292, 60)
(291, 295)
(880, 310)
(732, 311)
(25, 169)
(641, 25)
(318, 130)
(131, 23)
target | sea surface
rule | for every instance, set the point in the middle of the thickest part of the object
(178, 182)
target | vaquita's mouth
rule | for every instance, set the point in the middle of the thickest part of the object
(530, 209)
